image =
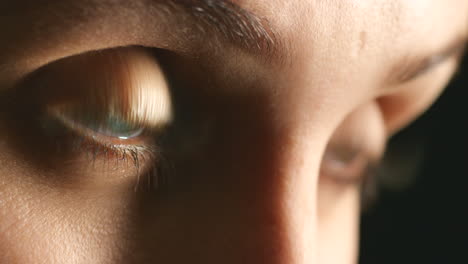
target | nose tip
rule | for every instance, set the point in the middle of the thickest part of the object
(285, 188)
(249, 197)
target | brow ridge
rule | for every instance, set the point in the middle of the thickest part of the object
(233, 23)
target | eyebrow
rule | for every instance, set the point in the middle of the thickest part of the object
(231, 23)
(411, 67)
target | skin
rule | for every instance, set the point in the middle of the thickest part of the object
(246, 180)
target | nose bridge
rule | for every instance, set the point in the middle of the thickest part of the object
(254, 203)
(260, 208)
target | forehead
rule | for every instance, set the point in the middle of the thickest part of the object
(314, 33)
(356, 25)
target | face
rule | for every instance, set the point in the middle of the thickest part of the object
(206, 132)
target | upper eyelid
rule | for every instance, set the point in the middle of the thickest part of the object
(412, 68)
(166, 25)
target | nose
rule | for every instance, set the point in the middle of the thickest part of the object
(248, 197)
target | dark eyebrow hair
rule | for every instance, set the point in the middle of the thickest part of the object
(231, 23)
(411, 67)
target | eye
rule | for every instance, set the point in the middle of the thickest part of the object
(109, 105)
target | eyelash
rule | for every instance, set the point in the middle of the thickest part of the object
(111, 148)
(145, 157)
(111, 151)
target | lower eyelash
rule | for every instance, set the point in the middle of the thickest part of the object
(152, 168)
(134, 153)
(145, 158)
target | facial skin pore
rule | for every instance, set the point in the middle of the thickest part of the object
(250, 134)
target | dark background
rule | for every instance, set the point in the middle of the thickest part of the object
(421, 216)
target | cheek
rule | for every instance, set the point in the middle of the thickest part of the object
(38, 223)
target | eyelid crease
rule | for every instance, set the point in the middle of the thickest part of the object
(411, 68)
